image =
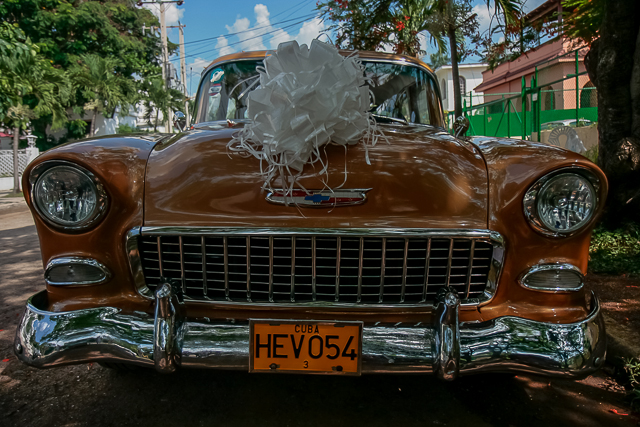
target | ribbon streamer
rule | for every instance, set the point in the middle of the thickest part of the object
(307, 98)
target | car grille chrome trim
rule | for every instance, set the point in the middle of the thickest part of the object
(319, 267)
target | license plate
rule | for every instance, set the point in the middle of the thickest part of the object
(305, 347)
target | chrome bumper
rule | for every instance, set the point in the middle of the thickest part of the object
(447, 348)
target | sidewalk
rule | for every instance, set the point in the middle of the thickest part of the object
(10, 203)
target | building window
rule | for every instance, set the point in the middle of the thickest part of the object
(463, 85)
(443, 88)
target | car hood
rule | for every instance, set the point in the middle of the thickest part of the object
(421, 178)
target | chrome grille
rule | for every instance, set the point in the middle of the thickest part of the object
(299, 268)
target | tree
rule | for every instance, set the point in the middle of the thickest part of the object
(106, 89)
(454, 18)
(30, 87)
(64, 30)
(613, 64)
(438, 59)
(372, 24)
(158, 99)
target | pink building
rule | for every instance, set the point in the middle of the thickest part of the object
(556, 67)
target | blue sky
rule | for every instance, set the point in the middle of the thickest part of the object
(237, 25)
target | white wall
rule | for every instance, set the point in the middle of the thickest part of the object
(473, 76)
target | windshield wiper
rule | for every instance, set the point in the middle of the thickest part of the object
(385, 119)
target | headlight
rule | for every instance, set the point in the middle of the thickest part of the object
(562, 203)
(67, 196)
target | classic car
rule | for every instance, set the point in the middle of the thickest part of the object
(446, 254)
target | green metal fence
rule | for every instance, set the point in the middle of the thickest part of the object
(558, 90)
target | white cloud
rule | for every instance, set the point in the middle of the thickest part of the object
(278, 37)
(309, 31)
(222, 44)
(262, 33)
(484, 13)
(172, 13)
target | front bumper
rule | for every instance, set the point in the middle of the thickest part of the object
(447, 348)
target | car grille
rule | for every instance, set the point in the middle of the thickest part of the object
(298, 268)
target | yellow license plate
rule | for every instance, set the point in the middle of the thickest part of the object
(305, 347)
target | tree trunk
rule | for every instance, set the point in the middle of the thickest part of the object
(457, 96)
(155, 124)
(613, 64)
(16, 169)
(92, 130)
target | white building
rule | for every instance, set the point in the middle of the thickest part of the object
(470, 77)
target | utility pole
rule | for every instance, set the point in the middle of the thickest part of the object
(183, 73)
(165, 48)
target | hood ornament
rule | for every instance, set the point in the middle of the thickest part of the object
(319, 198)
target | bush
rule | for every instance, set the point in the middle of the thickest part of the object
(632, 373)
(615, 252)
(125, 128)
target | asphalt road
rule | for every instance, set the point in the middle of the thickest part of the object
(89, 395)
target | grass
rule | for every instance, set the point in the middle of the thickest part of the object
(632, 374)
(13, 195)
(615, 252)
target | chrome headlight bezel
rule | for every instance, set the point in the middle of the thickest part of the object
(102, 198)
(530, 201)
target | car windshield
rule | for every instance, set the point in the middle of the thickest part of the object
(402, 92)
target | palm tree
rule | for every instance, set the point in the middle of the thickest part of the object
(508, 11)
(99, 82)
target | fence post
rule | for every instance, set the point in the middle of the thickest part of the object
(577, 90)
(508, 118)
(484, 122)
(523, 94)
(539, 109)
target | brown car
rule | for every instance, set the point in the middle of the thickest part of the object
(446, 255)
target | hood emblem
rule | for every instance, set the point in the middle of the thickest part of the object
(319, 198)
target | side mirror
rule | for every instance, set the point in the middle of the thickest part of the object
(460, 126)
(179, 120)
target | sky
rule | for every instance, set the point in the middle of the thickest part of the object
(216, 28)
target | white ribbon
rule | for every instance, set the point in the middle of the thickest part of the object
(307, 98)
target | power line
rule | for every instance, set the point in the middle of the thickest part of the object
(250, 38)
(252, 29)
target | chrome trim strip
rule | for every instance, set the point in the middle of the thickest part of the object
(365, 232)
(426, 272)
(470, 269)
(493, 237)
(226, 267)
(530, 198)
(404, 270)
(270, 268)
(46, 339)
(313, 268)
(160, 257)
(205, 288)
(546, 267)
(450, 258)
(293, 269)
(360, 265)
(383, 266)
(338, 249)
(183, 281)
(102, 197)
(248, 244)
(69, 261)
(135, 263)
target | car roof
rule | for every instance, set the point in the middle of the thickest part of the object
(363, 54)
